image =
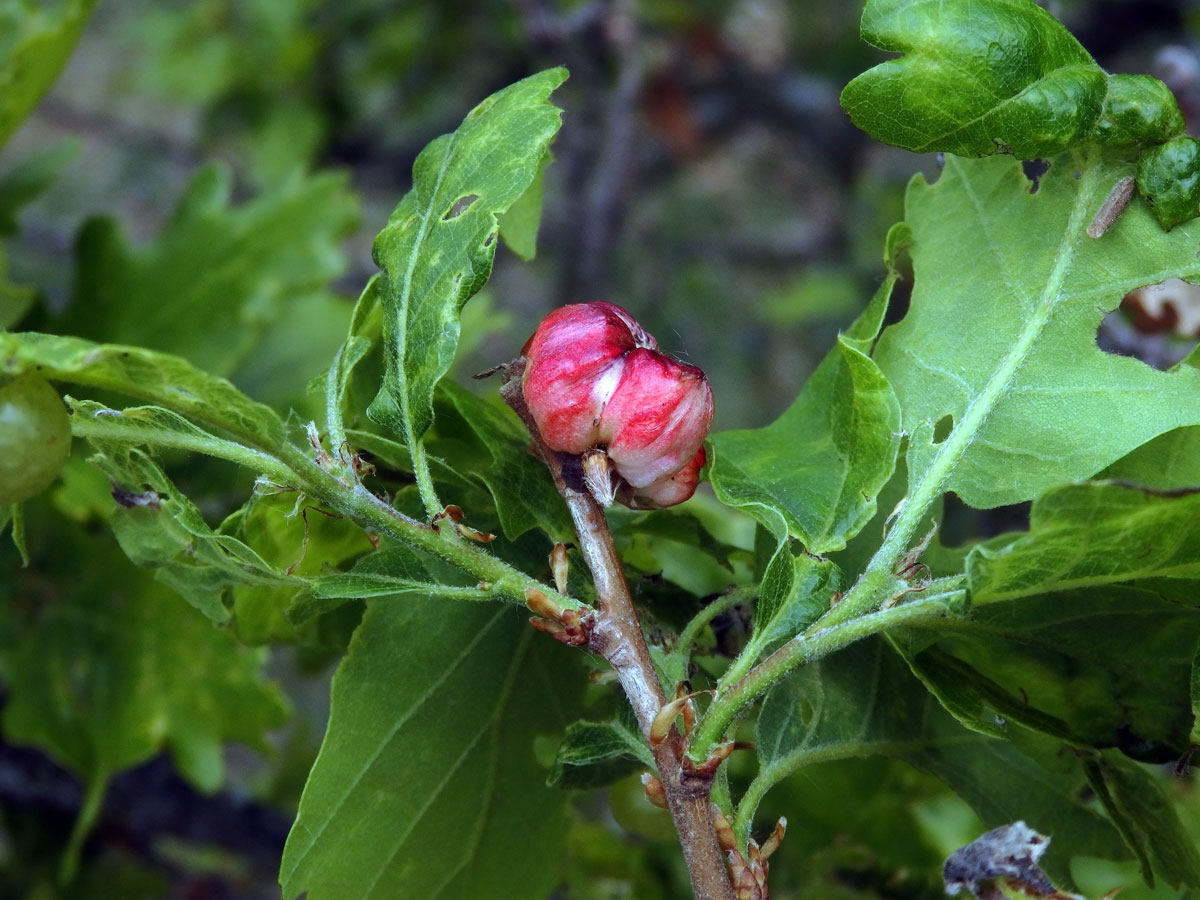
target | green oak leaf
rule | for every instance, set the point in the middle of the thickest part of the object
(154, 426)
(35, 43)
(27, 181)
(427, 784)
(108, 668)
(1001, 333)
(1169, 462)
(297, 537)
(519, 225)
(216, 277)
(500, 461)
(595, 754)
(438, 246)
(1149, 822)
(1090, 534)
(1102, 667)
(796, 589)
(814, 473)
(1168, 176)
(161, 529)
(15, 299)
(18, 186)
(862, 701)
(977, 78)
(165, 380)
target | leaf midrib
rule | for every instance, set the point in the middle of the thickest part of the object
(404, 294)
(451, 668)
(951, 451)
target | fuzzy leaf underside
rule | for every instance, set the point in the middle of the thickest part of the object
(1169, 462)
(1088, 535)
(1001, 334)
(426, 784)
(438, 246)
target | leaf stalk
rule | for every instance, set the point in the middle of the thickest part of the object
(813, 644)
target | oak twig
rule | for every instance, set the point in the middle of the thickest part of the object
(617, 636)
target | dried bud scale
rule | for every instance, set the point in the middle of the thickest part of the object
(594, 380)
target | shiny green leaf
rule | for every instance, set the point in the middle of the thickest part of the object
(1138, 110)
(1168, 176)
(976, 78)
(427, 784)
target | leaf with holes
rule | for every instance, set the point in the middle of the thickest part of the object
(1000, 338)
(161, 529)
(427, 784)
(438, 246)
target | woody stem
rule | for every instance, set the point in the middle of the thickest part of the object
(617, 636)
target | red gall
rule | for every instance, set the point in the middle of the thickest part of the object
(595, 380)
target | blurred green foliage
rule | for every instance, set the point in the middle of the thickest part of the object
(745, 229)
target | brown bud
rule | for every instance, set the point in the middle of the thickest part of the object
(559, 566)
(654, 791)
(542, 605)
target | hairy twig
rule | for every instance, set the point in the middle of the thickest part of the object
(617, 636)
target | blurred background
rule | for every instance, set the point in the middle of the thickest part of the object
(705, 178)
